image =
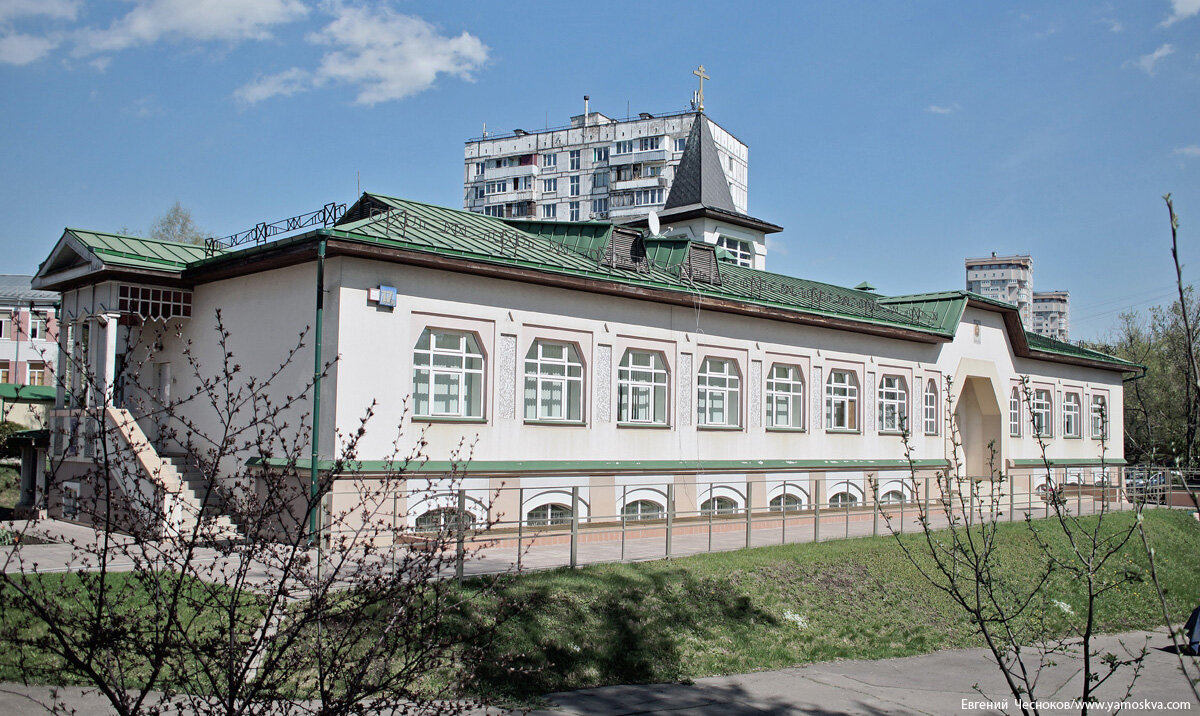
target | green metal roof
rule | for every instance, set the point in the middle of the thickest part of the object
(28, 393)
(576, 249)
(132, 252)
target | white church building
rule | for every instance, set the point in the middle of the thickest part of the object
(589, 355)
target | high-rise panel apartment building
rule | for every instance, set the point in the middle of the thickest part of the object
(1052, 314)
(1004, 278)
(596, 168)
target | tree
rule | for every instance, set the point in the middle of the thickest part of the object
(207, 590)
(177, 225)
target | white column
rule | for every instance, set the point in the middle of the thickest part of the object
(107, 375)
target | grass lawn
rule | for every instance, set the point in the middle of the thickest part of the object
(776, 607)
(732, 612)
(10, 487)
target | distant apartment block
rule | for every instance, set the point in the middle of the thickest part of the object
(596, 168)
(1052, 314)
(1004, 278)
(28, 352)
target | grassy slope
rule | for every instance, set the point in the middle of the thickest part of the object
(725, 613)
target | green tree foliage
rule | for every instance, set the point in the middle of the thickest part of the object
(1160, 406)
(177, 225)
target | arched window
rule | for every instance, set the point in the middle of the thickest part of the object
(718, 506)
(1014, 413)
(893, 404)
(718, 393)
(642, 381)
(931, 407)
(843, 499)
(1042, 409)
(643, 510)
(892, 497)
(447, 375)
(841, 401)
(1099, 417)
(553, 382)
(786, 503)
(785, 397)
(549, 515)
(443, 518)
(1071, 410)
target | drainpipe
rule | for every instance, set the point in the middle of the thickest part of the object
(316, 421)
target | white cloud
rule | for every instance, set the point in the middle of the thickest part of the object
(385, 55)
(1113, 25)
(280, 84)
(1147, 63)
(1191, 151)
(18, 49)
(943, 109)
(205, 20)
(58, 9)
(1181, 10)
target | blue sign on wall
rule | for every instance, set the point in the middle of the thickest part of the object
(387, 296)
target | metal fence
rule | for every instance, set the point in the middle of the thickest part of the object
(557, 525)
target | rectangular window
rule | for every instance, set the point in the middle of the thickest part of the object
(478, 168)
(574, 186)
(37, 373)
(574, 160)
(642, 197)
(681, 144)
(600, 207)
(496, 211)
(841, 401)
(1043, 410)
(600, 154)
(785, 397)
(6, 326)
(574, 208)
(625, 147)
(1071, 408)
(931, 408)
(893, 404)
(740, 251)
(496, 187)
(521, 183)
(648, 144)
(550, 185)
(1099, 417)
(549, 211)
(5, 372)
(599, 180)
(1014, 413)
(549, 160)
(447, 375)
(479, 192)
(642, 380)
(718, 393)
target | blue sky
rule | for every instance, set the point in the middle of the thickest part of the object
(890, 140)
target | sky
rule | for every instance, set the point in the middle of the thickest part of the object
(890, 140)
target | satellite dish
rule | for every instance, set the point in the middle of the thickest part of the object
(654, 225)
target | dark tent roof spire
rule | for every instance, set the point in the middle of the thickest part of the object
(699, 178)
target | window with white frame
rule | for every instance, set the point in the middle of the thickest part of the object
(496, 187)
(681, 144)
(1014, 413)
(786, 503)
(741, 251)
(718, 506)
(573, 209)
(37, 373)
(893, 404)
(574, 160)
(522, 183)
(478, 168)
(642, 510)
(718, 393)
(549, 160)
(1043, 411)
(841, 400)
(574, 186)
(843, 499)
(931, 407)
(785, 397)
(548, 515)
(37, 327)
(553, 382)
(599, 180)
(1099, 417)
(497, 211)
(549, 211)
(444, 518)
(550, 185)
(5, 372)
(479, 193)
(648, 144)
(642, 379)
(6, 325)
(892, 497)
(600, 154)
(447, 375)
(1071, 416)
(624, 147)
(600, 206)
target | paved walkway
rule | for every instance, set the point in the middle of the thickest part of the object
(938, 683)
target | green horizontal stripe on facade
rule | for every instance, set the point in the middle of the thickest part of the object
(1069, 462)
(560, 466)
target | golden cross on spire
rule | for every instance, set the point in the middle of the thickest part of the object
(699, 72)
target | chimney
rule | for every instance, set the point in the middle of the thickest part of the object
(585, 110)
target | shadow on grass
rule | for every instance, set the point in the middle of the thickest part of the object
(602, 626)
